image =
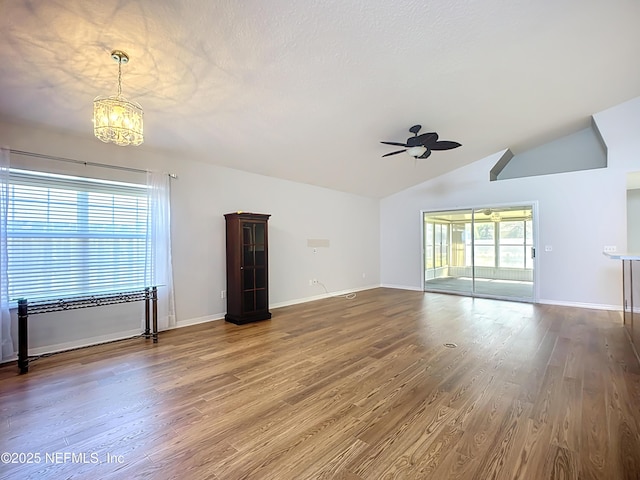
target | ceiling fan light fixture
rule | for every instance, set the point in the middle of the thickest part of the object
(416, 151)
(116, 119)
(421, 146)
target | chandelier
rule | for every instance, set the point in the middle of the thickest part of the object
(116, 119)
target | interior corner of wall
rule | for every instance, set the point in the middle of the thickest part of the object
(600, 137)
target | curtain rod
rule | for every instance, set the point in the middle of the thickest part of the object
(80, 162)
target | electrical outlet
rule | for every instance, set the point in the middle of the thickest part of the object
(223, 294)
(315, 281)
(609, 248)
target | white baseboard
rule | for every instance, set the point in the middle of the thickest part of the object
(199, 320)
(298, 301)
(341, 293)
(220, 316)
(402, 287)
(84, 342)
(593, 306)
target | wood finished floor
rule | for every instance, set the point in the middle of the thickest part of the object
(341, 389)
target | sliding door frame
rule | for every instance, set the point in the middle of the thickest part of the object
(533, 204)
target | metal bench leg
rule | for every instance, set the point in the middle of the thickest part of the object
(147, 328)
(154, 301)
(23, 336)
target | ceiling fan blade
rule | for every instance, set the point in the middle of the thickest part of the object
(444, 145)
(393, 153)
(426, 139)
(395, 143)
(415, 129)
(425, 154)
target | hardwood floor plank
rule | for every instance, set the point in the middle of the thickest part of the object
(360, 389)
(529, 457)
(419, 458)
(595, 451)
(283, 455)
(561, 464)
(485, 423)
(388, 448)
(505, 445)
(454, 466)
(623, 425)
(549, 398)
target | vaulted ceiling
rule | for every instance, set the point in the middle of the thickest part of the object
(306, 90)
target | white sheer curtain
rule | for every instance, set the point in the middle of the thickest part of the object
(6, 342)
(159, 269)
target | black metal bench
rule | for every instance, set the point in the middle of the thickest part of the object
(148, 294)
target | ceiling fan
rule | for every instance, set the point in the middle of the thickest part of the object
(420, 146)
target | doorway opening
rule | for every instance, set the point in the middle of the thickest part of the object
(486, 252)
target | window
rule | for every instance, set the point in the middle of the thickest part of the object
(513, 250)
(436, 245)
(74, 236)
(441, 245)
(429, 250)
(515, 241)
(484, 240)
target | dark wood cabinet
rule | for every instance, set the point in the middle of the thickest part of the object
(247, 267)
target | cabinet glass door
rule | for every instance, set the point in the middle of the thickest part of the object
(254, 296)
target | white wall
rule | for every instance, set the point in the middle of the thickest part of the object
(579, 213)
(200, 196)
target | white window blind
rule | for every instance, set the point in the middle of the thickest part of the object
(72, 236)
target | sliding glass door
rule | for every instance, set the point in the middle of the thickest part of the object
(481, 252)
(447, 265)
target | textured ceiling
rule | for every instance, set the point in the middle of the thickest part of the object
(305, 90)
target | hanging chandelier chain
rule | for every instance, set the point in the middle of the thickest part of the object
(119, 78)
